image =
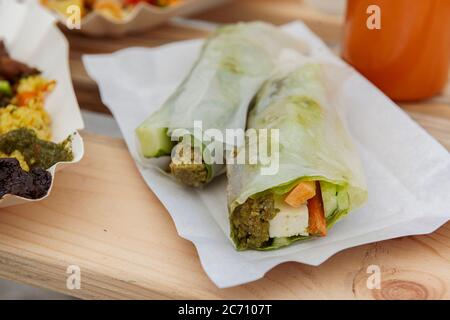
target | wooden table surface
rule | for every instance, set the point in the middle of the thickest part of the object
(102, 217)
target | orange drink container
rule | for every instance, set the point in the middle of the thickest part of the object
(402, 46)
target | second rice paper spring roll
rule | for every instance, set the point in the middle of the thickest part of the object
(319, 178)
(234, 62)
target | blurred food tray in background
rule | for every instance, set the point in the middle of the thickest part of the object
(114, 22)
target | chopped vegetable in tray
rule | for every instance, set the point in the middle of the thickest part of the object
(26, 149)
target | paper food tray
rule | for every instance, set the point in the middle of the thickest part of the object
(31, 36)
(142, 17)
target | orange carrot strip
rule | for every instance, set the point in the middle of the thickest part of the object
(317, 222)
(24, 97)
(301, 193)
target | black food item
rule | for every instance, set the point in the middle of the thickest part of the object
(14, 180)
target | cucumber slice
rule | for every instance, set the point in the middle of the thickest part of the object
(343, 200)
(5, 88)
(153, 142)
(329, 197)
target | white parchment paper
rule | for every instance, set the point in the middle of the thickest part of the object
(31, 36)
(407, 171)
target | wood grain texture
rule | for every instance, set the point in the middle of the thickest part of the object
(102, 217)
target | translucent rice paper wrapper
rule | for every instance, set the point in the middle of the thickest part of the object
(143, 16)
(255, 48)
(407, 171)
(313, 143)
(31, 36)
(333, 145)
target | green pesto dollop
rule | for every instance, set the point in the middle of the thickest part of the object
(250, 222)
(37, 152)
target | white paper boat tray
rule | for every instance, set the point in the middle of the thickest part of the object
(31, 36)
(142, 17)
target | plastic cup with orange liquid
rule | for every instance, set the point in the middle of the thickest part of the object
(402, 46)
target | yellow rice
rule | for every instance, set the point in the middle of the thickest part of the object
(32, 115)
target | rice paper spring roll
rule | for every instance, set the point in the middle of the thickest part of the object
(319, 178)
(233, 63)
